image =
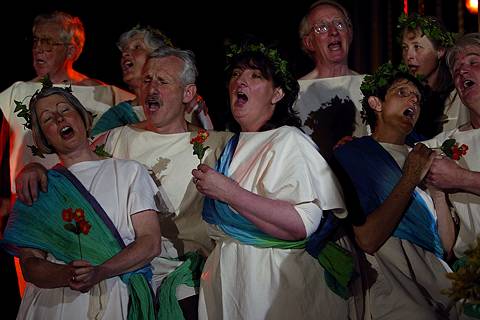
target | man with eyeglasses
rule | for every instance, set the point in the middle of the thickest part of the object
(57, 42)
(329, 95)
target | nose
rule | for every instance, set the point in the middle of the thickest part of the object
(332, 29)
(58, 117)
(242, 79)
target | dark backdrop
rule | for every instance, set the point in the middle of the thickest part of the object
(202, 27)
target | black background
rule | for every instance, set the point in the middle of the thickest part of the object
(202, 26)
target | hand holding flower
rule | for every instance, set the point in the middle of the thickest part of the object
(213, 184)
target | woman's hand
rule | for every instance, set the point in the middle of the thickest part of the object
(213, 184)
(85, 276)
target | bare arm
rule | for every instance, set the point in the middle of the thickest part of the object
(37, 270)
(445, 224)
(136, 255)
(447, 174)
(380, 224)
(275, 217)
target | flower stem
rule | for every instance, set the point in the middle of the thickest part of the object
(80, 246)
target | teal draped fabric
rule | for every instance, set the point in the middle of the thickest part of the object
(41, 226)
(116, 116)
(374, 174)
(337, 262)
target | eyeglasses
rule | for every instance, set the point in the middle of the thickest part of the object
(403, 92)
(46, 43)
(324, 26)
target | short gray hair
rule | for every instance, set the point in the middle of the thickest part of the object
(305, 27)
(38, 136)
(189, 72)
(467, 40)
(152, 37)
(72, 30)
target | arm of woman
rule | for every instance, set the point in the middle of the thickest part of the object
(277, 218)
(137, 254)
(381, 223)
(445, 224)
(38, 270)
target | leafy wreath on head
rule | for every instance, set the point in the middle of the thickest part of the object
(280, 65)
(373, 84)
(428, 26)
(24, 112)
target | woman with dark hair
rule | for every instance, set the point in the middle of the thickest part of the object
(85, 246)
(404, 231)
(270, 193)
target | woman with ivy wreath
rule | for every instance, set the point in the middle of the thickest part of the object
(85, 248)
(272, 204)
(405, 232)
(424, 41)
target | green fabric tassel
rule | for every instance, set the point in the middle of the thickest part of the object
(339, 268)
(140, 299)
(187, 273)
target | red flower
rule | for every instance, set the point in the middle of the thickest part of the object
(79, 215)
(84, 227)
(80, 224)
(198, 148)
(67, 214)
(452, 150)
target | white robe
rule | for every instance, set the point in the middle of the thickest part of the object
(404, 280)
(170, 159)
(245, 282)
(96, 99)
(467, 205)
(122, 188)
(330, 109)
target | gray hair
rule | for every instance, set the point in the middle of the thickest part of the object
(467, 40)
(38, 136)
(72, 30)
(153, 38)
(305, 27)
(189, 72)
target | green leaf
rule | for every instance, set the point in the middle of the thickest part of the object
(72, 228)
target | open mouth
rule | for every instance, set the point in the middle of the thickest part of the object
(335, 45)
(468, 83)
(410, 112)
(66, 132)
(153, 103)
(127, 65)
(242, 98)
(413, 68)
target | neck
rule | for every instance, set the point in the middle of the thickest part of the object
(83, 154)
(328, 71)
(68, 76)
(389, 136)
(174, 127)
(432, 79)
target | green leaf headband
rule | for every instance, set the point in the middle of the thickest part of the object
(371, 84)
(23, 110)
(428, 26)
(272, 55)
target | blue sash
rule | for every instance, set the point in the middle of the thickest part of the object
(337, 262)
(374, 174)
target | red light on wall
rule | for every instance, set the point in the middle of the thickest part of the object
(472, 6)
